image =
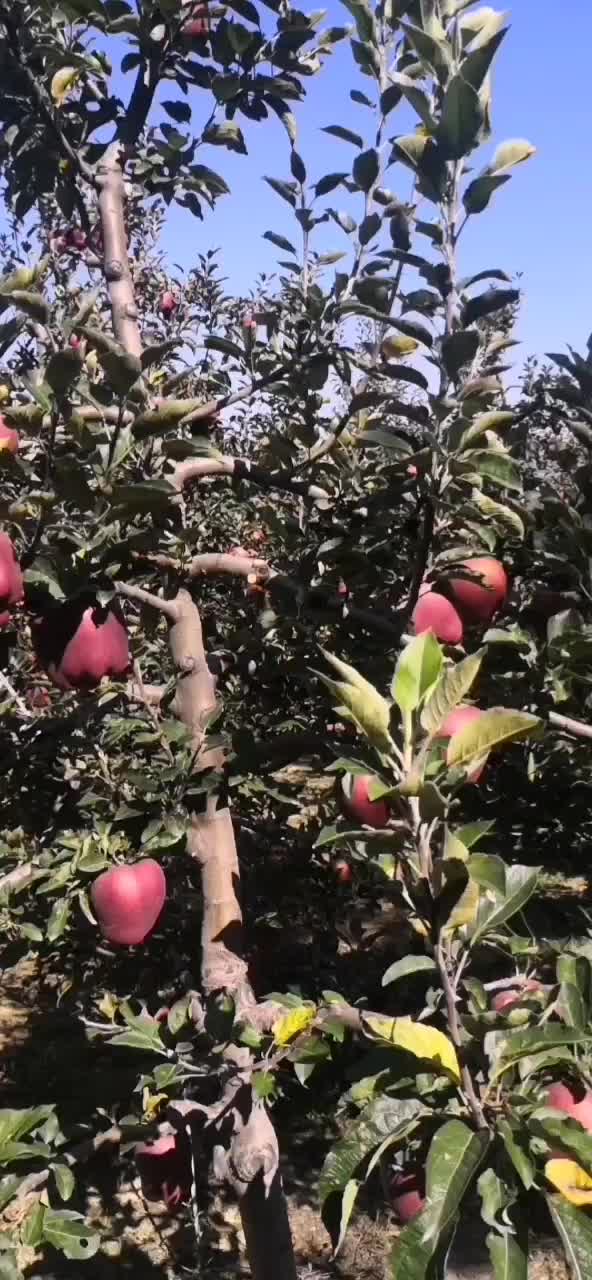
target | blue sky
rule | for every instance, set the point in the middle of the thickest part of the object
(538, 224)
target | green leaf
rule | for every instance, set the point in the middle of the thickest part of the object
(495, 466)
(435, 53)
(227, 135)
(366, 169)
(407, 966)
(8, 1188)
(403, 373)
(459, 349)
(122, 370)
(360, 701)
(472, 832)
(521, 883)
(364, 18)
(280, 241)
(178, 110)
(489, 871)
(287, 190)
(67, 1231)
(369, 227)
(143, 1033)
(475, 66)
(452, 687)
(225, 346)
(346, 135)
(494, 728)
(479, 192)
(329, 182)
(17, 1124)
(348, 1199)
(32, 1232)
(515, 1142)
(147, 495)
(495, 420)
(64, 1180)
(453, 1160)
(499, 513)
(382, 1118)
(574, 1227)
(417, 669)
(487, 303)
(461, 120)
(509, 1258)
(58, 920)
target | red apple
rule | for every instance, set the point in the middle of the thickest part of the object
(199, 25)
(433, 612)
(454, 723)
(78, 645)
(357, 802)
(561, 1097)
(407, 1196)
(9, 441)
(505, 1001)
(128, 900)
(168, 303)
(343, 871)
(164, 1173)
(11, 578)
(76, 238)
(479, 599)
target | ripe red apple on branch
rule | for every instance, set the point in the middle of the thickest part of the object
(477, 599)
(407, 1195)
(11, 579)
(578, 1108)
(165, 1173)
(168, 303)
(80, 642)
(355, 790)
(505, 1001)
(199, 25)
(433, 612)
(9, 440)
(127, 901)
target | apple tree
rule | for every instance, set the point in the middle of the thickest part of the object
(366, 493)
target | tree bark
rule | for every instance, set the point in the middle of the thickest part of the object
(110, 184)
(251, 1162)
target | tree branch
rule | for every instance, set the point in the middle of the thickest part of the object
(240, 469)
(575, 727)
(110, 185)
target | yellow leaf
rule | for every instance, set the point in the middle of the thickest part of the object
(64, 81)
(4, 393)
(397, 344)
(424, 1042)
(571, 1180)
(292, 1023)
(153, 1103)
